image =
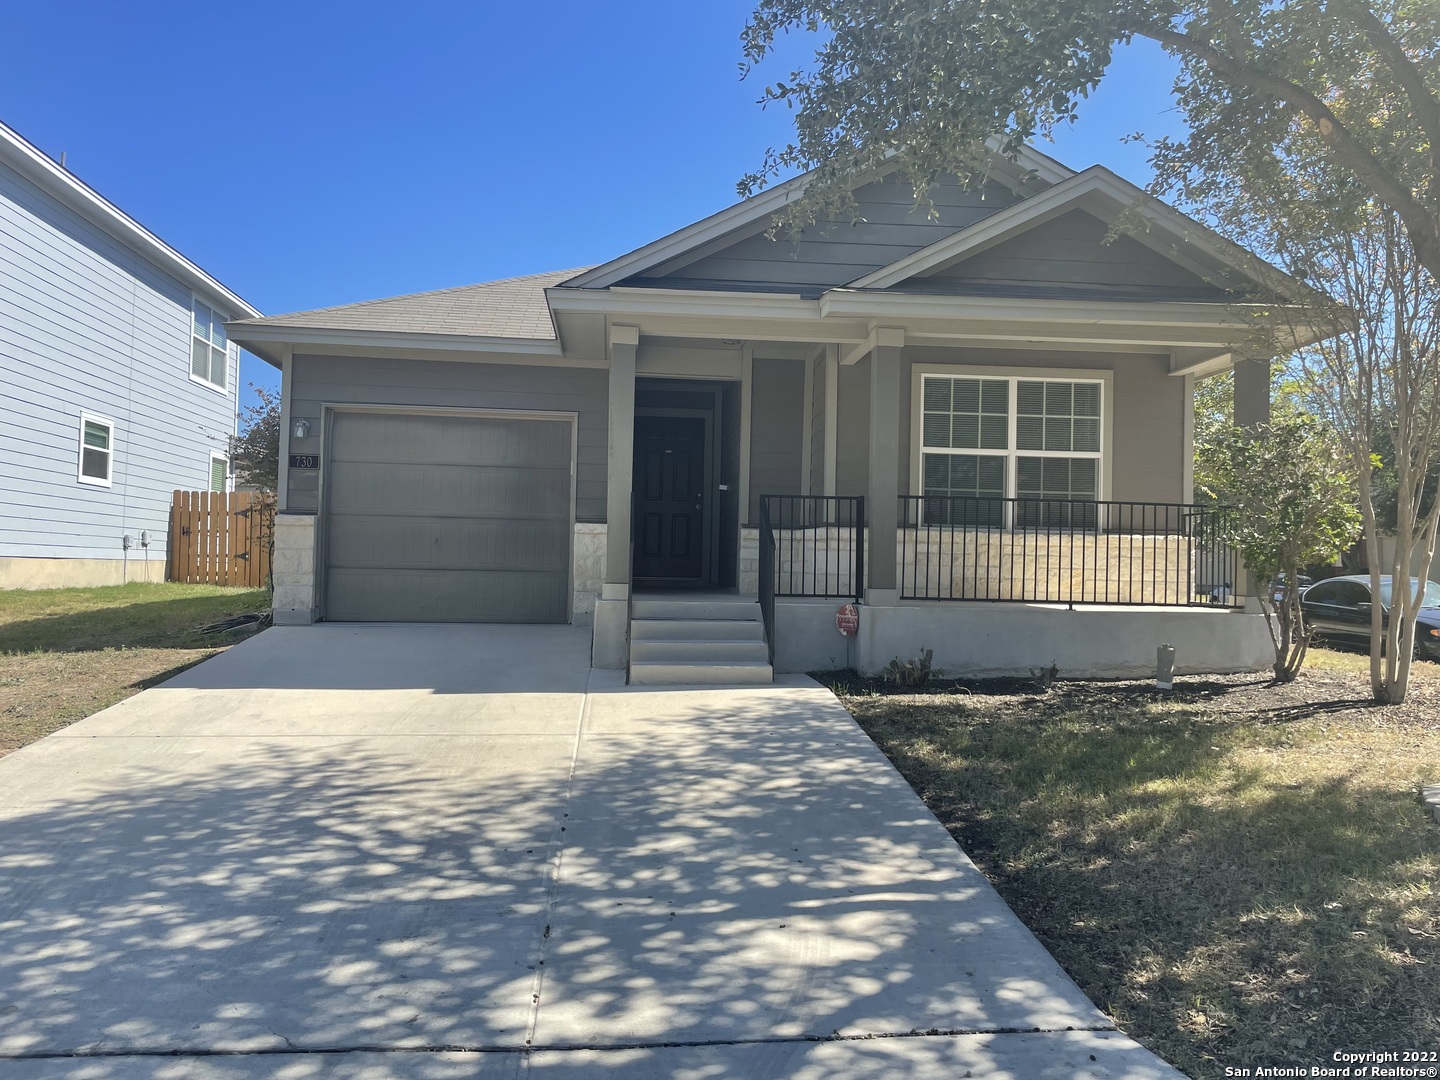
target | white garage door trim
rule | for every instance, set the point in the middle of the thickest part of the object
(327, 413)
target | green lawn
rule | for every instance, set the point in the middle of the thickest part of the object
(67, 653)
(1240, 874)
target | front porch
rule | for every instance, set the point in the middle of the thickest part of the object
(965, 506)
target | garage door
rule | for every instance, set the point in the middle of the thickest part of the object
(445, 518)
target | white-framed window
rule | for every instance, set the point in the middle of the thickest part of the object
(209, 348)
(1038, 440)
(219, 472)
(96, 464)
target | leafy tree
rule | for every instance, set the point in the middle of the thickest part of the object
(1371, 367)
(256, 450)
(1292, 496)
(925, 83)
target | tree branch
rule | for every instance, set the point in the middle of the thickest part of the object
(1410, 77)
(1422, 226)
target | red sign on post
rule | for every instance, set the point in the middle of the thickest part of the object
(847, 620)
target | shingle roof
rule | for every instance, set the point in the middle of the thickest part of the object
(512, 308)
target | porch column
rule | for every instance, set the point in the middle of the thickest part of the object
(1252, 391)
(610, 645)
(1252, 407)
(882, 502)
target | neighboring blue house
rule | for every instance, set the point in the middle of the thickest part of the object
(117, 382)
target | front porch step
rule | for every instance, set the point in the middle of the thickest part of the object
(699, 650)
(736, 609)
(705, 640)
(697, 630)
(690, 673)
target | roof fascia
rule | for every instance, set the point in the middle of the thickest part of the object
(37, 166)
(310, 335)
(667, 248)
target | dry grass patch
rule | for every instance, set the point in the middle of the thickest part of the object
(1240, 874)
(68, 653)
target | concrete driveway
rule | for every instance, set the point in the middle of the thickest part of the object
(436, 852)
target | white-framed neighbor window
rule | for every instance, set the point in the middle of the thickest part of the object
(1037, 439)
(96, 464)
(209, 347)
(219, 472)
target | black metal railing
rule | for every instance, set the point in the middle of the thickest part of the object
(1068, 551)
(810, 545)
(766, 585)
(819, 544)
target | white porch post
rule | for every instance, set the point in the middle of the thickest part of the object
(882, 503)
(610, 645)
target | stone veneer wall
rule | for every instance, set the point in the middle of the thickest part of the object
(589, 568)
(293, 569)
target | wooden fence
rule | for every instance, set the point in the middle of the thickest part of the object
(221, 538)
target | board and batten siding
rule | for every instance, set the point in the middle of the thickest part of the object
(89, 326)
(318, 381)
(887, 227)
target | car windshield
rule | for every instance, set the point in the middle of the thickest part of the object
(1432, 593)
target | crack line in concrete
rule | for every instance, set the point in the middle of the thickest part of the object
(557, 838)
(928, 1033)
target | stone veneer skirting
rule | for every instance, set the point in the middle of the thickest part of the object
(292, 569)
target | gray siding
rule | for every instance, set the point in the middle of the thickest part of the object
(317, 381)
(1148, 417)
(777, 411)
(817, 427)
(889, 228)
(1147, 413)
(1070, 250)
(1150, 448)
(86, 325)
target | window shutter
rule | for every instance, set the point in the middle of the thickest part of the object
(219, 469)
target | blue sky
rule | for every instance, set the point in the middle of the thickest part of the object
(309, 153)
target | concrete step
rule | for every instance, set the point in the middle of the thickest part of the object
(740, 609)
(699, 651)
(697, 630)
(714, 673)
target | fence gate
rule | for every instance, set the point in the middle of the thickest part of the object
(221, 538)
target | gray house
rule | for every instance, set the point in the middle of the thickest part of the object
(118, 384)
(705, 447)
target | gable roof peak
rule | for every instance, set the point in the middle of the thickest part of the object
(751, 215)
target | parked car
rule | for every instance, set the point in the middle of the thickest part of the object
(1339, 609)
(1277, 587)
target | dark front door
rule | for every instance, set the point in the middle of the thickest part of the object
(669, 498)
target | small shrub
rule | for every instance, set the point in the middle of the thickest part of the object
(910, 673)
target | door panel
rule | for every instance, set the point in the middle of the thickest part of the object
(669, 498)
(447, 518)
